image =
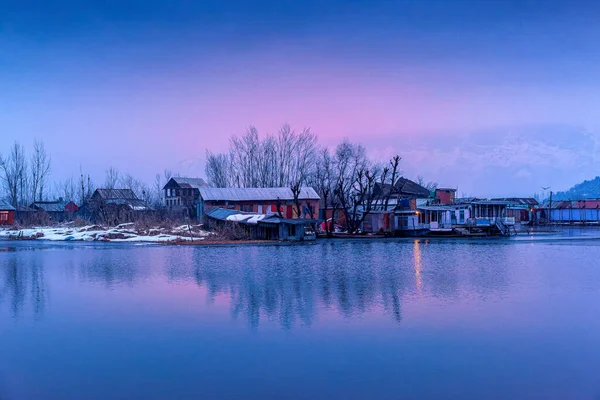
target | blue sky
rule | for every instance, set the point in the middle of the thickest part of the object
(412, 77)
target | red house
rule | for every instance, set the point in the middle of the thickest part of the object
(7, 214)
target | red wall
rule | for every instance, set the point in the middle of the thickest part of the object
(11, 218)
(445, 196)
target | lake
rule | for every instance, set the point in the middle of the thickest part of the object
(395, 319)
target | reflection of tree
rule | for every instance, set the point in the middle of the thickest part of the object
(111, 268)
(20, 279)
(292, 284)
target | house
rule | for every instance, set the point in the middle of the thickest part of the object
(403, 193)
(113, 206)
(520, 208)
(7, 213)
(278, 201)
(262, 226)
(445, 196)
(580, 212)
(183, 194)
(468, 218)
(58, 210)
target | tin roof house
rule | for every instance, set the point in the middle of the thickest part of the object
(279, 200)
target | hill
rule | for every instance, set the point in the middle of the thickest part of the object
(584, 190)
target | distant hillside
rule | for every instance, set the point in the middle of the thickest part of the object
(584, 190)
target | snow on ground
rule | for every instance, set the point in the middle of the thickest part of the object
(247, 218)
(120, 233)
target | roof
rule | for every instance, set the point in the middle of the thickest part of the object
(194, 183)
(255, 194)
(574, 204)
(491, 203)
(49, 206)
(445, 189)
(528, 201)
(403, 187)
(112, 194)
(4, 206)
(220, 213)
(436, 208)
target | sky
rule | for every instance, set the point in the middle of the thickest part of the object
(490, 97)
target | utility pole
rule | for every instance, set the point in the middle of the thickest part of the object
(550, 208)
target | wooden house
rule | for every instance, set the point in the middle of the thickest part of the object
(57, 211)
(279, 201)
(7, 213)
(113, 206)
(183, 194)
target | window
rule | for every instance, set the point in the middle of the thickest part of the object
(4, 216)
(292, 230)
(246, 208)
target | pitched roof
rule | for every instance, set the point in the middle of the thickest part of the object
(529, 201)
(403, 187)
(408, 187)
(220, 213)
(194, 183)
(4, 206)
(49, 206)
(256, 194)
(113, 194)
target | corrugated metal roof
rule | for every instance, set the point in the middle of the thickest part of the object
(112, 194)
(220, 213)
(50, 206)
(4, 206)
(256, 194)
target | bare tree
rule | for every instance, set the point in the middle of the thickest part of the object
(112, 178)
(40, 170)
(217, 169)
(394, 164)
(283, 160)
(324, 181)
(13, 169)
(431, 185)
(66, 189)
(86, 187)
(158, 192)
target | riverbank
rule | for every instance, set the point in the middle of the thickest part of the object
(120, 233)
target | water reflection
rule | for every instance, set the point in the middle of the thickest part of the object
(290, 285)
(22, 284)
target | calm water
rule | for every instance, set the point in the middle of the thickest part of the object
(349, 320)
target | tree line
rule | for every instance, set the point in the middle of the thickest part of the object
(26, 178)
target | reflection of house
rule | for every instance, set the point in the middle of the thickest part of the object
(113, 206)
(183, 194)
(7, 213)
(278, 201)
(262, 226)
(57, 210)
